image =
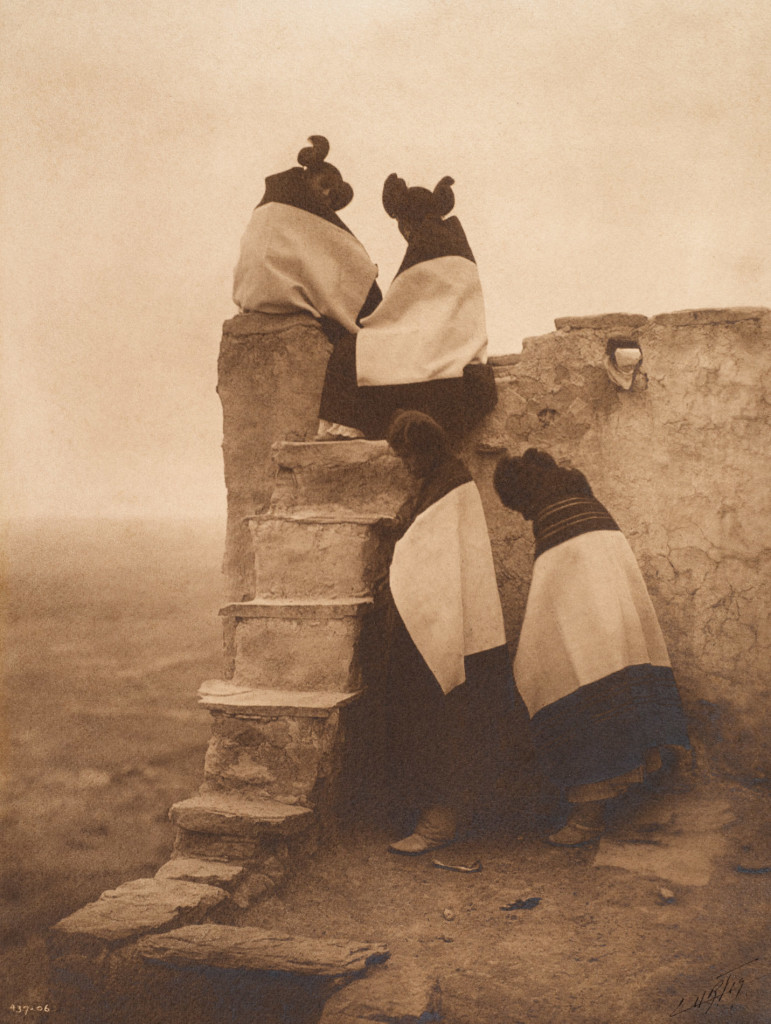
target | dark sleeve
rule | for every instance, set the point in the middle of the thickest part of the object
(372, 301)
(333, 330)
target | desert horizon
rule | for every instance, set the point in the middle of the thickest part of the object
(109, 628)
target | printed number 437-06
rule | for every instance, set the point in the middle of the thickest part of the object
(24, 1009)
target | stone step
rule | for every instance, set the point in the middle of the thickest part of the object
(230, 947)
(133, 909)
(287, 757)
(244, 883)
(260, 832)
(224, 814)
(267, 703)
(309, 645)
(312, 552)
(359, 475)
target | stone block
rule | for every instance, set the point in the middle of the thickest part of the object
(207, 872)
(277, 758)
(249, 853)
(246, 884)
(222, 814)
(124, 987)
(208, 846)
(255, 886)
(230, 947)
(317, 645)
(309, 553)
(360, 476)
(134, 909)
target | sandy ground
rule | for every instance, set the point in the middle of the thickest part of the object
(603, 944)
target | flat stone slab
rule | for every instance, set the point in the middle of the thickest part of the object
(274, 703)
(731, 314)
(207, 872)
(136, 908)
(279, 608)
(603, 322)
(683, 863)
(228, 815)
(252, 949)
(677, 838)
(405, 992)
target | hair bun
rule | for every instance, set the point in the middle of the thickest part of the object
(314, 155)
(414, 204)
(444, 198)
(394, 194)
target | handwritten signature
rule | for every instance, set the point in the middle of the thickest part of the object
(725, 989)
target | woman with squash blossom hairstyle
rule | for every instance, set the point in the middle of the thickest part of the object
(451, 698)
(425, 346)
(297, 256)
(592, 665)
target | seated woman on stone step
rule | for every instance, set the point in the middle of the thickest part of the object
(297, 256)
(425, 346)
(451, 696)
(592, 664)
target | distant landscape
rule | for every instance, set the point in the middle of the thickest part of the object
(109, 627)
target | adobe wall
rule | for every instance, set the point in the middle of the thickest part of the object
(270, 373)
(680, 460)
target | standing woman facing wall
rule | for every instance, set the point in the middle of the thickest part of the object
(451, 698)
(592, 665)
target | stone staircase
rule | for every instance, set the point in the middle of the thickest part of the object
(301, 651)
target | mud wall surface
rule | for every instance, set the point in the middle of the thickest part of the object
(679, 459)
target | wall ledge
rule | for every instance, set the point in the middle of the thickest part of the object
(266, 323)
(728, 315)
(601, 322)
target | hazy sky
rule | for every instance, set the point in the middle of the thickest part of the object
(609, 155)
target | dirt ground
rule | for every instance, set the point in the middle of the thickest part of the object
(604, 944)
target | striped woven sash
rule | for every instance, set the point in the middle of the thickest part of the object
(569, 518)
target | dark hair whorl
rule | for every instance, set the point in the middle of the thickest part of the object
(444, 198)
(394, 193)
(313, 156)
(505, 478)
